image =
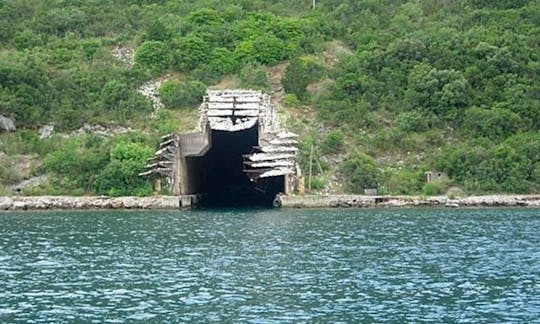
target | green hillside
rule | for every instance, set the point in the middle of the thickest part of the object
(383, 91)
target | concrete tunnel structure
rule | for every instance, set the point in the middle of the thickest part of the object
(239, 156)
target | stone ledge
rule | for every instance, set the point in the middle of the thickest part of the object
(65, 202)
(359, 201)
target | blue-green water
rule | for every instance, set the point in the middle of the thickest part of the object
(471, 265)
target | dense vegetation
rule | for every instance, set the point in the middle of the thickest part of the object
(399, 87)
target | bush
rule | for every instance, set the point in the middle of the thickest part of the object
(333, 143)
(299, 74)
(435, 188)
(290, 100)
(176, 94)
(317, 183)
(510, 166)
(492, 123)
(120, 176)
(75, 165)
(265, 49)
(253, 75)
(165, 123)
(403, 182)
(221, 62)
(154, 56)
(443, 92)
(90, 164)
(113, 92)
(411, 121)
(190, 52)
(361, 172)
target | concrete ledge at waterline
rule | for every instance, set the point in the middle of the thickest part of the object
(359, 201)
(101, 202)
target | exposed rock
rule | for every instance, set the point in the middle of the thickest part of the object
(65, 202)
(125, 54)
(31, 183)
(310, 201)
(130, 202)
(6, 124)
(21, 166)
(150, 90)
(45, 131)
(99, 130)
(344, 201)
(5, 203)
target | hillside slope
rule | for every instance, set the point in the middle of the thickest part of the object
(380, 91)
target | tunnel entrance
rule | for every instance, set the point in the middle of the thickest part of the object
(237, 156)
(225, 183)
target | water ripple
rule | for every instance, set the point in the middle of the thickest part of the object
(269, 266)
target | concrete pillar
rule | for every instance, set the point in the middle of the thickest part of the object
(157, 185)
(301, 186)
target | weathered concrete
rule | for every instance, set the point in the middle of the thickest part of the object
(357, 201)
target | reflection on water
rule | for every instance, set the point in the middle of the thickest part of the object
(271, 265)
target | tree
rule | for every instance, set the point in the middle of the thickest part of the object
(495, 124)
(442, 92)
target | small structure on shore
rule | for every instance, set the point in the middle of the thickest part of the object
(239, 155)
(434, 176)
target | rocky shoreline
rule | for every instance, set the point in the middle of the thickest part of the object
(66, 202)
(357, 201)
(307, 201)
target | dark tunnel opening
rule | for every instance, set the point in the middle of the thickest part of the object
(224, 183)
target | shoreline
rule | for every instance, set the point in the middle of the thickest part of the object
(307, 201)
(361, 201)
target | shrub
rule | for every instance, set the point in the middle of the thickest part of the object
(154, 56)
(26, 39)
(176, 94)
(361, 172)
(290, 100)
(120, 176)
(253, 75)
(190, 52)
(221, 62)
(443, 92)
(299, 74)
(333, 143)
(492, 123)
(411, 121)
(75, 165)
(113, 92)
(265, 49)
(435, 188)
(165, 123)
(317, 183)
(403, 182)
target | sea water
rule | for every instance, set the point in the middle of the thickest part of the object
(281, 265)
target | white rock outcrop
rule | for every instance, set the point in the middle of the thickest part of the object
(7, 124)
